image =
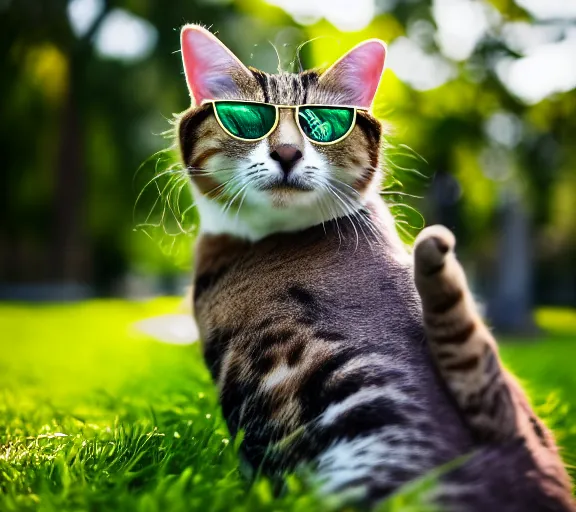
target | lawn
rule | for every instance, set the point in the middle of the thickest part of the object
(96, 416)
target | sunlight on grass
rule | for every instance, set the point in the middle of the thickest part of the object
(557, 320)
(95, 415)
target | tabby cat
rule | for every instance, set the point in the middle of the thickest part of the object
(331, 350)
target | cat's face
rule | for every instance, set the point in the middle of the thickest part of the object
(285, 181)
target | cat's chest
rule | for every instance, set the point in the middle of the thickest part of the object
(305, 277)
(297, 323)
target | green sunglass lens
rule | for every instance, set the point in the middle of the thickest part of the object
(326, 124)
(246, 120)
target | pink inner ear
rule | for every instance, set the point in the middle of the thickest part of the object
(359, 72)
(209, 66)
(373, 56)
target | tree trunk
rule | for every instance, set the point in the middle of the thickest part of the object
(510, 308)
(68, 243)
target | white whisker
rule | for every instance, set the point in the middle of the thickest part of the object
(348, 209)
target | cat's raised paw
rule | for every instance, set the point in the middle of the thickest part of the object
(431, 247)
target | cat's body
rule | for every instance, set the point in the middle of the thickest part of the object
(317, 330)
(311, 324)
(317, 345)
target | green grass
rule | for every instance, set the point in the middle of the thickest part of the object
(95, 416)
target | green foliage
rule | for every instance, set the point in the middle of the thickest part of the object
(77, 126)
(164, 212)
(95, 416)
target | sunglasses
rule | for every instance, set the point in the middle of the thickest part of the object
(253, 121)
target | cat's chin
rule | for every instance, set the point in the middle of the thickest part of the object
(283, 197)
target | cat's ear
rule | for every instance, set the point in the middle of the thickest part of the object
(357, 74)
(212, 71)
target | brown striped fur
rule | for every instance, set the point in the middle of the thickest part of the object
(494, 404)
(312, 326)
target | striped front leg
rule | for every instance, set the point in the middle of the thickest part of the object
(465, 350)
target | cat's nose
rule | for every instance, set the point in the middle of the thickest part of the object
(286, 155)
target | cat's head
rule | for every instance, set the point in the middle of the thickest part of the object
(285, 180)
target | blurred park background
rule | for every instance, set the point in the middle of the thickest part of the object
(480, 100)
(479, 95)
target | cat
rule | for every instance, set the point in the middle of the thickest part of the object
(331, 349)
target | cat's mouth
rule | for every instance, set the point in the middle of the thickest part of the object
(287, 185)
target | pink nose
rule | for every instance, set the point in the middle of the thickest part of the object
(286, 155)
